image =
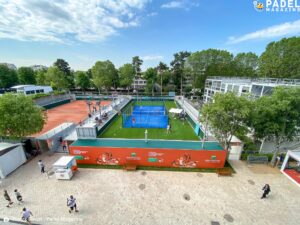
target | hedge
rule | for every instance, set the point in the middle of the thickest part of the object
(245, 155)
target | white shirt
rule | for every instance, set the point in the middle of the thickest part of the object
(26, 214)
(41, 164)
(72, 202)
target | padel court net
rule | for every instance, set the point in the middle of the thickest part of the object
(145, 117)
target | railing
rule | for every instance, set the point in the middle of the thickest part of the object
(256, 80)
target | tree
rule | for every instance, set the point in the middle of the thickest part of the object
(26, 75)
(56, 78)
(178, 64)
(227, 115)
(19, 116)
(104, 74)
(151, 76)
(161, 70)
(246, 64)
(277, 116)
(126, 73)
(281, 59)
(8, 77)
(210, 62)
(162, 67)
(64, 67)
(136, 63)
(40, 77)
(82, 80)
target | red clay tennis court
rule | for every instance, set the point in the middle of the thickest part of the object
(71, 112)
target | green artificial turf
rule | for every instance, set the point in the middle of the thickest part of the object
(179, 130)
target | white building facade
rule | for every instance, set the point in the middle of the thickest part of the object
(32, 89)
(256, 87)
(39, 67)
(139, 83)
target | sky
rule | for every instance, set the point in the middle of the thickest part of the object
(85, 31)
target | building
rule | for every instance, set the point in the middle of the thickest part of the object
(9, 65)
(32, 89)
(38, 67)
(256, 87)
(139, 83)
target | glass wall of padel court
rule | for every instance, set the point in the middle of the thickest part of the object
(145, 114)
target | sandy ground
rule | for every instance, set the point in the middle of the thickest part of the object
(152, 197)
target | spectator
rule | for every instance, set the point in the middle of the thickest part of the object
(71, 203)
(18, 196)
(42, 166)
(26, 215)
(7, 198)
(266, 190)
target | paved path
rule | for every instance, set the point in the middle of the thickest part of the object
(119, 197)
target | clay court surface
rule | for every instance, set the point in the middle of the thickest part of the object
(117, 197)
(74, 112)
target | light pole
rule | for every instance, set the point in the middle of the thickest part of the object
(204, 134)
(146, 135)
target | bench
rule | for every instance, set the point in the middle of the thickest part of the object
(130, 167)
(257, 159)
(224, 172)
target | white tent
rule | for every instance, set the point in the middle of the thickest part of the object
(176, 111)
(11, 157)
(296, 156)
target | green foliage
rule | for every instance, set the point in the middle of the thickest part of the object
(19, 116)
(277, 116)
(56, 78)
(281, 59)
(39, 95)
(249, 144)
(136, 63)
(104, 74)
(246, 64)
(178, 65)
(126, 74)
(162, 67)
(210, 62)
(64, 67)
(82, 80)
(245, 155)
(26, 75)
(227, 115)
(151, 76)
(8, 77)
(41, 77)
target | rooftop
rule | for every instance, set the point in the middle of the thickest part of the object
(249, 80)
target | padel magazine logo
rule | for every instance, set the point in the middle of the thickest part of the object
(276, 5)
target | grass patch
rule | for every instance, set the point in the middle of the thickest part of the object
(179, 130)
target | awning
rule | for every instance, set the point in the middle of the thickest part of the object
(176, 111)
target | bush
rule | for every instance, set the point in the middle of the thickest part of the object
(39, 95)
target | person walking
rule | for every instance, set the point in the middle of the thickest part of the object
(26, 215)
(168, 128)
(71, 203)
(18, 196)
(266, 190)
(42, 166)
(7, 198)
